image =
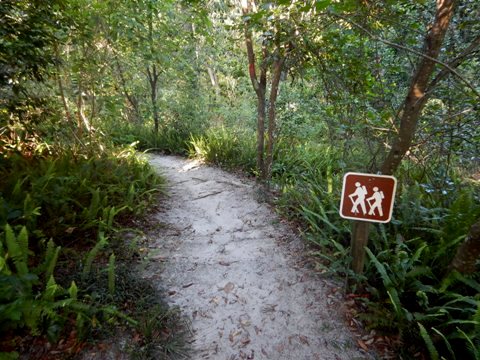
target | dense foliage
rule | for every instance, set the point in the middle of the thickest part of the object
(82, 79)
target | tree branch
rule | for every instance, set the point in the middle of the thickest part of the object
(447, 67)
(455, 63)
(250, 53)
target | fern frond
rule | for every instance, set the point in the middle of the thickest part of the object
(387, 281)
(447, 343)
(94, 204)
(428, 342)
(475, 351)
(476, 318)
(15, 251)
(73, 291)
(52, 263)
(51, 289)
(32, 311)
(92, 254)
(454, 277)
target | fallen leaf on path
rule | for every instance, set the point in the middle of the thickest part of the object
(233, 334)
(245, 341)
(215, 300)
(303, 340)
(229, 287)
(362, 345)
(70, 230)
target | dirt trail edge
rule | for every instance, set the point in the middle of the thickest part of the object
(231, 266)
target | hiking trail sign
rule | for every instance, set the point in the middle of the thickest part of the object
(368, 197)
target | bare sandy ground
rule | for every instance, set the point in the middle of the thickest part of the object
(236, 271)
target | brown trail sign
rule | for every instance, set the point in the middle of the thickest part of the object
(367, 197)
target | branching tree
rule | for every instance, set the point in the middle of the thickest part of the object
(276, 43)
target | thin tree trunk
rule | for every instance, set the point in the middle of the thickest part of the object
(260, 89)
(81, 118)
(277, 72)
(415, 101)
(261, 134)
(214, 81)
(130, 98)
(469, 252)
(93, 104)
(153, 80)
(153, 75)
(62, 94)
(417, 96)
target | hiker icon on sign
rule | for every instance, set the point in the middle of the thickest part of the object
(360, 193)
(378, 196)
(367, 197)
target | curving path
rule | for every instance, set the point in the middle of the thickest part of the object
(236, 271)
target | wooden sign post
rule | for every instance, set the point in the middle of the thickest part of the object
(366, 198)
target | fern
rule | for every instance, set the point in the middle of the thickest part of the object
(73, 291)
(474, 350)
(22, 240)
(94, 204)
(387, 281)
(476, 318)
(447, 343)
(16, 251)
(454, 277)
(428, 342)
(31, 313)
(92, 254)
(49, 253)
(52, 262)
(51, 289)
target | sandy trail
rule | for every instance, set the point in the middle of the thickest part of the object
(233, 269)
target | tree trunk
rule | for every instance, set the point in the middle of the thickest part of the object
(130, 98)
(277, 72)
(62, 95)
(214, 82)
(260, 87)
(81, 118)
(417, 95)
(153, 80)
(469, 252)
(415, 101)
(261, 111)
(152, 74)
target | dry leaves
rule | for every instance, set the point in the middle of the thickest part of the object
(228, 288)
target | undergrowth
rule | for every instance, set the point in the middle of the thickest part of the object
(63, 260)
(411, 291)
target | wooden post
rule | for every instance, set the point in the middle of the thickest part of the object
(360, 232)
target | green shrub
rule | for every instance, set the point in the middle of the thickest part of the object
(225, 147)
(29, 296)
(70, 193)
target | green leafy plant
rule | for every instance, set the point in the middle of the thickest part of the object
(24, 301)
